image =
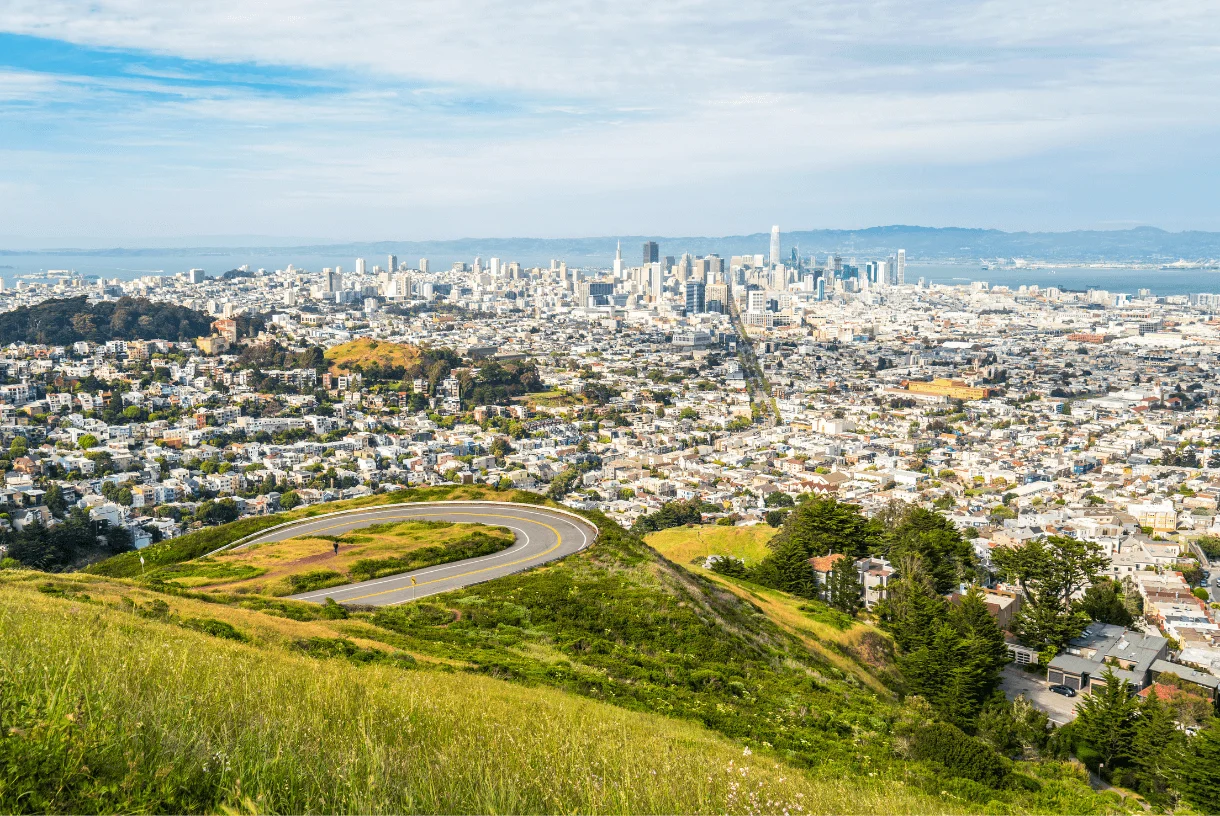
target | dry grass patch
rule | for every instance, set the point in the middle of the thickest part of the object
(688, 545)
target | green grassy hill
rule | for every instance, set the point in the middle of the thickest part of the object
(612, 681)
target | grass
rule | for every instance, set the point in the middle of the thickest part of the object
(690, 546)
(201, 542)
(363, 351)
(106, 711)
(590, 674)
(854, 648)
(286, 567)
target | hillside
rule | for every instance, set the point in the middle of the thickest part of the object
(62, 322)
(612, 681)
(364, 352)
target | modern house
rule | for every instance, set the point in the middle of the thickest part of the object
(1128, 653)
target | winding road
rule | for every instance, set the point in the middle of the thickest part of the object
(543, 534)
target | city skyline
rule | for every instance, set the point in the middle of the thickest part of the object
(138, 122)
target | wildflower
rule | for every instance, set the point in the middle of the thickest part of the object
(747, 751)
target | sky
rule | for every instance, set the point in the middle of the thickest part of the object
(142, 122)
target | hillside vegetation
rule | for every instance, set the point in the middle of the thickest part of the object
(614, 680)
(365, 351)
(311, 562)
(62, 322)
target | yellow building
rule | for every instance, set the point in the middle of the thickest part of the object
(952, 389)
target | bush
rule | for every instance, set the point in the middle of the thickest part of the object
(959, 753)
(216, 628)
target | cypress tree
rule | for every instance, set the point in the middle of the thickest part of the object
(1105, 720)
(1198, 774)
(1155, 741)
(844, 587)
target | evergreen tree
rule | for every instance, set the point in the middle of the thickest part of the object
(989, 652)
(822, 526)
(1105, 720)
(1198, 773)
(843, 587)
(793, 572)
(1104, 602)
(1155, 743)
(1050, 571)
(926, 534)
(913, 609)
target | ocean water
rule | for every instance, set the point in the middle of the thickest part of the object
(215, 262)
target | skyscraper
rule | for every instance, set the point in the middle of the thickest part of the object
(696, 292)
(360, 266)
(423, 265)
(652, 252)
(618, 261)
(775, 259)
(902, 267)
(393, 263)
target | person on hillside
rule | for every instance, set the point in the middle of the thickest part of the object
(336, 548)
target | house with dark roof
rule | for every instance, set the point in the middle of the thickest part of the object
(1130, 654)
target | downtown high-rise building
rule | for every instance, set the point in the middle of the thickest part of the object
(392, 263)
(696, 294)
(775, 259)
(360, 267)
(900, 267)
(652, 252)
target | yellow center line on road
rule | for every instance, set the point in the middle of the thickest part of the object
(376, 518)
(558, 541)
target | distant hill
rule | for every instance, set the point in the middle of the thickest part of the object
(61, 322)
(1147, 244)
(364, 351)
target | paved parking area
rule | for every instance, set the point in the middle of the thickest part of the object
(1060, 709)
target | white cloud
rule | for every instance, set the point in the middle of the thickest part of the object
(454, 104)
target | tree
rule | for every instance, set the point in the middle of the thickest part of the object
(1050, 571)
(1104, 602)
(54, 500)
(974, 622)
(779, 499)
(821, 526)
(776, 518)
(1155, 745)
(946, 555)
(787, 568)
(912, 609)
(1105, 720)
(19, 447)
(1198, 773)
(87, 441)
(843, 587)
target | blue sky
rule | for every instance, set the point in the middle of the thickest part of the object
(131, 121)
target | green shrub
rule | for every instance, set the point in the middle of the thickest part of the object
(216, 628)
(314, 579)
(347, 650)
(959, 753)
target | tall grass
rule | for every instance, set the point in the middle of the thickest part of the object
(102, 711)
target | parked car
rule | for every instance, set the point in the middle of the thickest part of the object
(1066, 691)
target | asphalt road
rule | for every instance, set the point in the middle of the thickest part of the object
(542, 535)
(1015, 682)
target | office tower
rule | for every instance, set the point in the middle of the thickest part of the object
(883, 273)
(197, 276)
(901, 269)
(696, 293)
(838, 262)
(618, 261)
(658, 281)
(393, 264)
(714, 265)
(423, 265)
(821, 288)
(478, 265)
(652, 252)
(670, 262)
(684, 268)
(360, 267)
(774, 257)
(495, 267)
(332, 281)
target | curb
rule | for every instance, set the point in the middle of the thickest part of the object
(241, 542)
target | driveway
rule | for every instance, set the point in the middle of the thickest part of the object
(1015, 682)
